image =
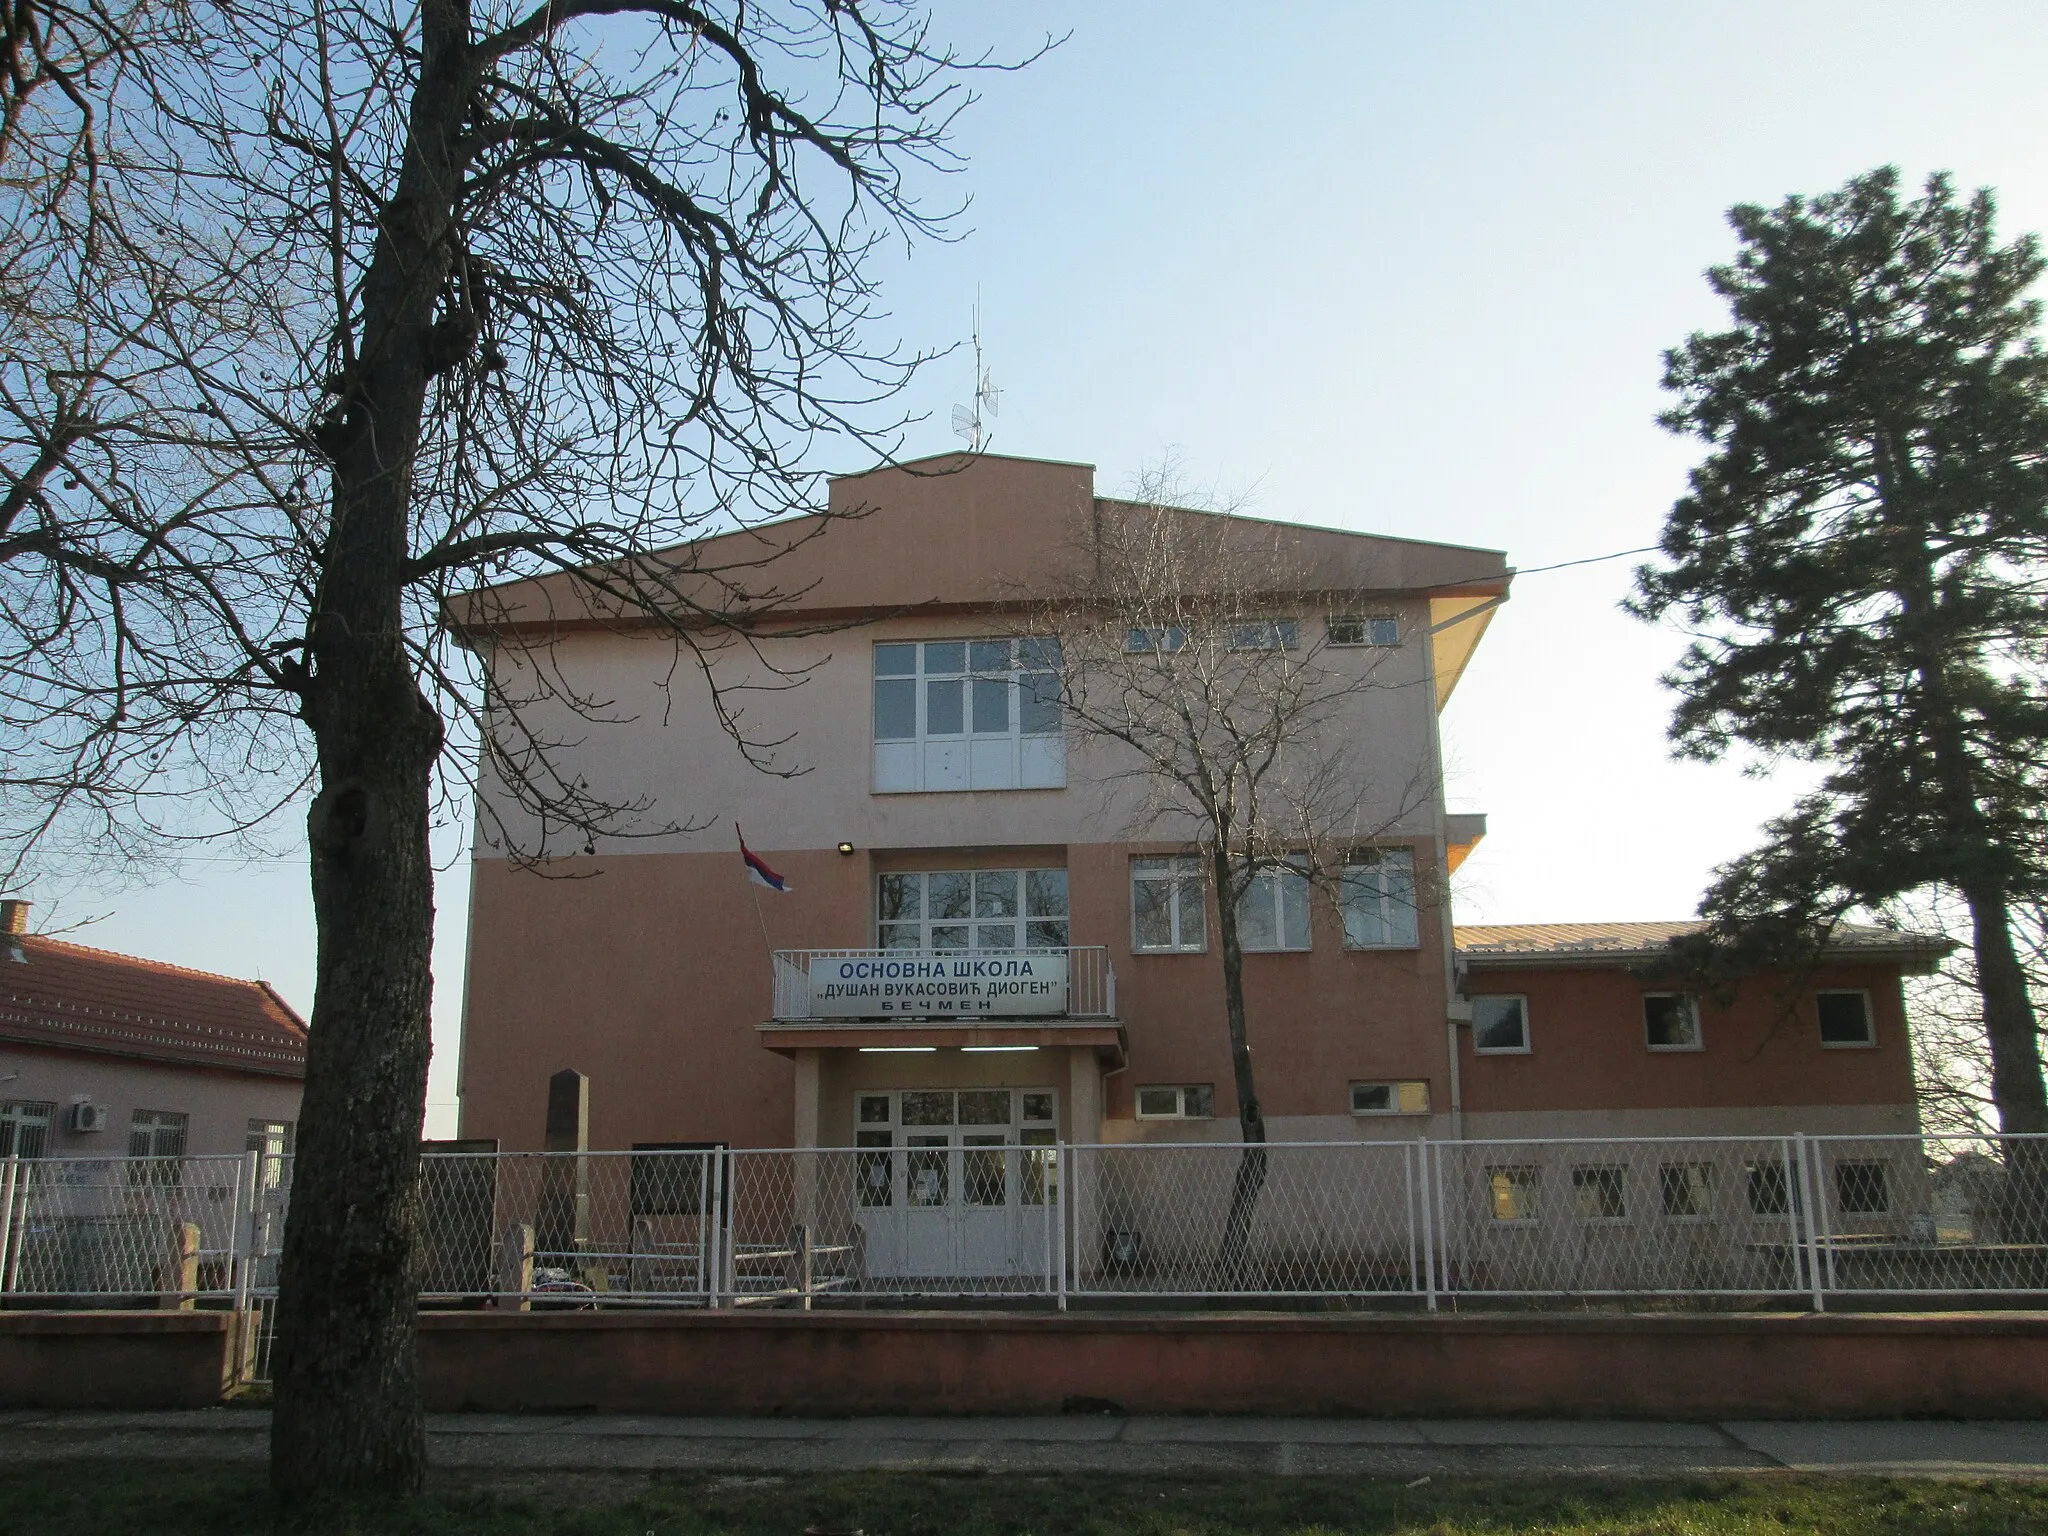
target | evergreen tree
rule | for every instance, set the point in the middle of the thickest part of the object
(1860, 558)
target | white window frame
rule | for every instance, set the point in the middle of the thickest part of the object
(1362, 885)
(1602, 1178)
(1262, 634)
(1527, 1180)
(980, 882)
(1869, 1040)
(1155, 639)
(929, 762)
(1370, 631)
(1699, 1028)
(1184, 1107)
(1182, 875)
(1697, 1178)
(1521, 1001)
(1399, 1100)
(20, 1118)
(1270, 885)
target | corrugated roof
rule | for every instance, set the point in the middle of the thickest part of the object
(1561, 943)
(80, 998)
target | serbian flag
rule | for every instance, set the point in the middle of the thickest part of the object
(761, 873)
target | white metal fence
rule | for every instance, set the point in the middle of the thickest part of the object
(1703, 1221)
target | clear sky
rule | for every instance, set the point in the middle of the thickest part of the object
(1401, 268)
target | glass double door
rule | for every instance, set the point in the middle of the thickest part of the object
(959, 1183)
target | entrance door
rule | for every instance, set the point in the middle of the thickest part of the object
(959, 1184)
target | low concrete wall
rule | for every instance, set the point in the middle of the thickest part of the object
(1970, 1365)
(114, 1359)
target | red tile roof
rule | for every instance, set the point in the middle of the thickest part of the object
(93, 1000)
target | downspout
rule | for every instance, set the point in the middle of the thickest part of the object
(1443, 868)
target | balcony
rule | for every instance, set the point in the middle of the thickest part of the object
(903, 984)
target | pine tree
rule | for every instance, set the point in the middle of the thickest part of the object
(1860, 558)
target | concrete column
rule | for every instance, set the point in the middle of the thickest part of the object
(1084, 1095)
(809, 1087)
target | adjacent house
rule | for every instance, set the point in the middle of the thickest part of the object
(106, 1055)
(973, 950)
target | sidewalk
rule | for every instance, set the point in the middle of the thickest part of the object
(1102, 1443)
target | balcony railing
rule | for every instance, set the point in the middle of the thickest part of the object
(1072, 983)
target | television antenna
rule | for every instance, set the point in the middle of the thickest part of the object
(971, 421)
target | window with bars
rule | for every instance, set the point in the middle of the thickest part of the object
(1600, 1192)
(156, 1144)
(1167, 906)
(968, 714)
(961, 909)
(1377, 894)
(25, 1127)
(1686, 1190)
(1273, 912)
(1511, 1193)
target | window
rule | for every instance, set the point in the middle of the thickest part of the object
(1686, 1189)
(1500, 1026)
(1167, 911)
(156, 1142)
(1273, 912)
(272, 1142)
(1381, 629)
(1671, 1021)
(25, 1128)
(968, 714)
(1410, 1098)
(1377, 893)
(1845, 1019)
(1861, 1189)
(961, 909)
(1600, 1193)
(1770, 1189)
(1261, 635)
(1161, 639)
(1511, 1193)
(1192, 1101)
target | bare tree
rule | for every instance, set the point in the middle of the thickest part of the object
(336, 310)
(1223, 725)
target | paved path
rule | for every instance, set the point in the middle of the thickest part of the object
(1290, 1447)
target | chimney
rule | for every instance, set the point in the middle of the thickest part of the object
(13, 924)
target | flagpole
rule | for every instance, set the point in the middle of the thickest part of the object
(754, 890)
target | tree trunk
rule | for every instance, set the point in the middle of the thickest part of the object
(1251, 1119)
(348, 1410)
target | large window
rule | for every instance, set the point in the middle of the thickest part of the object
(25, 1128)
(957, 909)
(156, 1143)
(1273, 913)
(968, 714)
(1379, 899)
(1166, 905)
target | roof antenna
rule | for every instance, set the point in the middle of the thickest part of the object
(971, 422)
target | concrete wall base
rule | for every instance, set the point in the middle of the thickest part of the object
(114, 1359)
(1973, 1365)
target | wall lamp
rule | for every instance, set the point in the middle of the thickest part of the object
(846, 850)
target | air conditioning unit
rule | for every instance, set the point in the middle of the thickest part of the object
(85, 1118)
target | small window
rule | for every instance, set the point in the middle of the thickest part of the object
(1511, 1194)
(25, 1128)
(1381, 629)
(1377, 893)
(1262, 635)
(1188, 1101)
(1600, 1193)
(1037, 1106)
(1157, 639)
(1167, 912)
(1845, 1019)
(1770, 1189)
(1500, 1026)
(1273, 912)
(1861, 1189)
(273, 1142)
(1686, 1190)
(1671, 1021)
(1409, 1098)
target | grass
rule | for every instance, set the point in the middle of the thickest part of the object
(186, 1499)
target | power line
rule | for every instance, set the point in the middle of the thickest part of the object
(1619, 554)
